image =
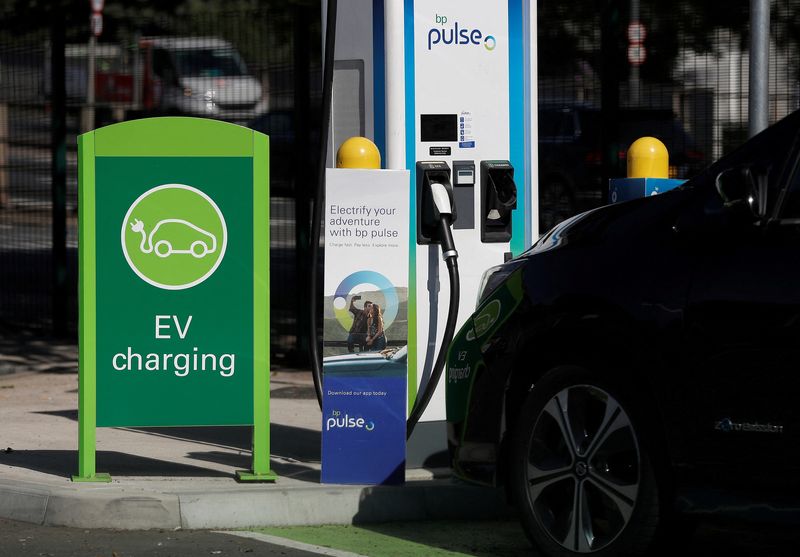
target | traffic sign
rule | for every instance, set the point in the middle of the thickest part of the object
(637, 54)
(636, 32)
(97, 24)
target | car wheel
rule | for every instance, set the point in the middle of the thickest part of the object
(582, 477)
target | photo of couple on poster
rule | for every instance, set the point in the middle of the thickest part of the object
(367, 331)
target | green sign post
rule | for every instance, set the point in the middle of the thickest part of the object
(174, 281)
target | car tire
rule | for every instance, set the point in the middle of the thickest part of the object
(580, 443)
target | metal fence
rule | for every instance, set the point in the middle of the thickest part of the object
(255, 67)
(681, 76)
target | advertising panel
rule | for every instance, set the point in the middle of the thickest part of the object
(365, 326)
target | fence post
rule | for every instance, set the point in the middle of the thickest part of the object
(758, 102)
(303, 177)
(610, 35)
(58, 145)
(5, 197)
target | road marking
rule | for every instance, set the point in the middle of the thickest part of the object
(284, 542)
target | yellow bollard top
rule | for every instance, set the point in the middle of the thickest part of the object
(648, 158)
(358, 152)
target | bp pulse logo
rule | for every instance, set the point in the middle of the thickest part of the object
(337, 420)
(457, 34)
(174, 236)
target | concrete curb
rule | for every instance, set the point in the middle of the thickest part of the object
(131, 507)
(183, 477)
(90, 508)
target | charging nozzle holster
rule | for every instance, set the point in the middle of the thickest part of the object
(498, 200)
(429, 216)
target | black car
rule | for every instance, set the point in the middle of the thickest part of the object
(640, 364)
(570, 154)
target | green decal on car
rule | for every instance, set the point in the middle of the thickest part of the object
(465, 357)
(484, 319)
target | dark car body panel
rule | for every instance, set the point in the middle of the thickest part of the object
(691, 305)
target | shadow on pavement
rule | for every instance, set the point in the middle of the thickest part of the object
(283, 468)
(69, 414)
(495, 538)
(22, 351)
(285, 441)
(65, 464)
(292, 450)
(505, 538)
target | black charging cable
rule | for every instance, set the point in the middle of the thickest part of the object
(450, 256)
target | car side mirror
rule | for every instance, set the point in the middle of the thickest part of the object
(743, 188)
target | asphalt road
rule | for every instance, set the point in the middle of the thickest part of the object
(28, 540)
(19, 539)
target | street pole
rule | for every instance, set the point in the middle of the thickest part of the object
(758, 102)
(303, 177)
(58, 147)
(88, 119)
(634, 82)
(610, 29)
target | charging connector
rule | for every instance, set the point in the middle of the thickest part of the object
(444, 208)
(434, 199)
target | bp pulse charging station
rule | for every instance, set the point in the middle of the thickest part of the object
(446, 89)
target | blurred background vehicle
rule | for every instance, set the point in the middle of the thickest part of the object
(190, 76)
(199, 77)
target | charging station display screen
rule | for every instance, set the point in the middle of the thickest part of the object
(439, 127)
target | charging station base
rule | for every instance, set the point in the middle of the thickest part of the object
(427, 447)
(249, 476)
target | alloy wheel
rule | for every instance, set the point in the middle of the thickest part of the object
(583, 468)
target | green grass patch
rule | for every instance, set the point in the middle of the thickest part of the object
(415, 539)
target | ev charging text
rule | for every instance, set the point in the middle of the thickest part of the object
(457, 35)
(171, 327)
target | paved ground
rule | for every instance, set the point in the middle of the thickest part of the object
(184, 477)
(18, 539)
(401, 539)
(174, 479)
(38, 406)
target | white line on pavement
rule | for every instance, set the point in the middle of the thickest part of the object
(275, 540)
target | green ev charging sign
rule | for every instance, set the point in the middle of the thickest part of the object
(184, 242)
(174, 281)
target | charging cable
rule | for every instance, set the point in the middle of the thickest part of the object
(441, 201)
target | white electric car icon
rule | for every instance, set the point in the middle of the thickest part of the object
(157, 240)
